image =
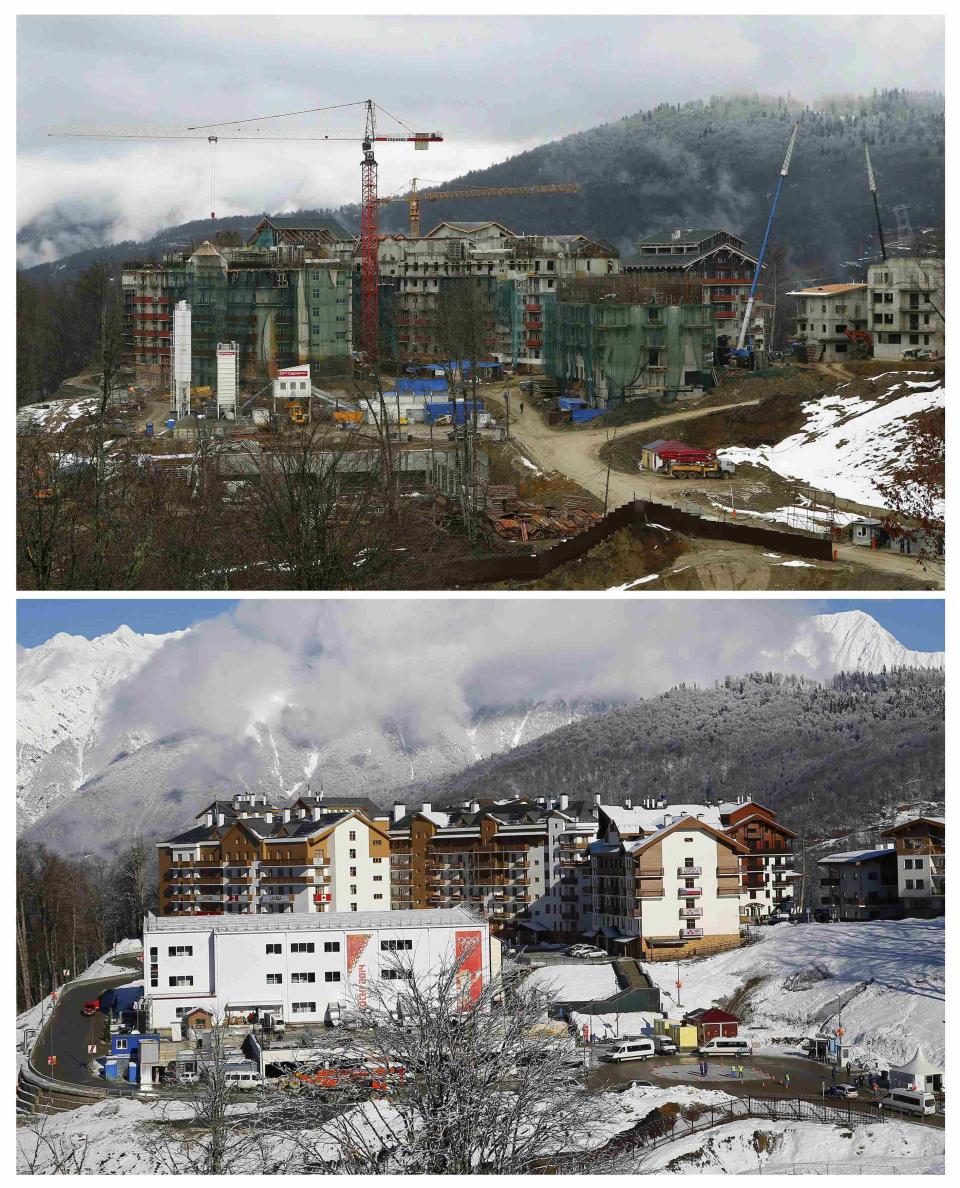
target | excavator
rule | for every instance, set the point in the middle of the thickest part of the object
(862, 343)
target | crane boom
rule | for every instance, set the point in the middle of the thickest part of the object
(872, 185)
(784, 169)
(415, 196)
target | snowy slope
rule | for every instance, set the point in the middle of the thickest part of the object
(795, 975)
(849, 445)
(855, 642)
(62, 689)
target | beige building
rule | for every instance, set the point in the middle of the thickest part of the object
(836, 317)
(920, 844)
(906, 298)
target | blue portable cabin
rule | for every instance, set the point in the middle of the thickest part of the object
(445, 408)
(128, 1046)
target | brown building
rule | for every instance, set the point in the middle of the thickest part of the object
(767, 869)
(920, 844)
(248, 856)
(521, 863)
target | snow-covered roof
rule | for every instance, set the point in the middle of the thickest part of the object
(859, 855)
(316, 921)
(645, 820)
(918, 1066)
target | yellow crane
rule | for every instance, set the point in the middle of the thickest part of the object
(415, 197)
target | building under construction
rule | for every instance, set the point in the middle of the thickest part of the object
(283, 298)
(612, 339)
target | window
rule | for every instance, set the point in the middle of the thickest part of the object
(274, 949)
(353, 907)
(353, 853)
(332, 975)
(395, 975)
(909, 884)
(181, 980)
(153, 954)
(180, 951)
(377, 896)
(378, 878)
(331, 946)
(396, 946)
(301, 947)
(303, 1008)
(353, 889)
(919, 884)
(353, 872)
(121, 1044)
(353, 835)
(376, 843)
(275, 979)
(303, 977)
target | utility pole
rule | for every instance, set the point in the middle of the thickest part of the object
(679, 985)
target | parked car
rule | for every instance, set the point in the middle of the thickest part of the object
(634, 1049)
(664, 1045)
(775, 918)
(822, 916)
(91, 1007)
(843, 1091)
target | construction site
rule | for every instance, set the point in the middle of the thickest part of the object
(521, 387)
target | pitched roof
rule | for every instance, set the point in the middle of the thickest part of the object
(853, 856)
(302, 223)
(687, 235)
(825, 290)
(687, 822)
(317, 921)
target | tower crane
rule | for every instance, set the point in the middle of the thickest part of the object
(740, 351)
(415, 197)
(370, 270)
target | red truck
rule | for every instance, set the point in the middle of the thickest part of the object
(91, 1007)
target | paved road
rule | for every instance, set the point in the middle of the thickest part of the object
(575, 453)
(69, 1033)
(807, 1078)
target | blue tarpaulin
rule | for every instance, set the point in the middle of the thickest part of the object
(567, 403)
(422, 386)
(445, 409)
(586, 414)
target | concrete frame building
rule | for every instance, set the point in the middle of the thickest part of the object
(860, 884)
(247, 856)
(283, 302)
(301, 967)
(716, 263)
(906, 300)
(826, 312)
(920, 844)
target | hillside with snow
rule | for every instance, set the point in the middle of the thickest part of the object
(887, 976)
(850, 445)
(84, 785)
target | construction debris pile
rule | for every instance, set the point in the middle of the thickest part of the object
(518, 519)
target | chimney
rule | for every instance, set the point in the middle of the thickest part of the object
(666, 819)
(663, 802)
(474, 806)
(628, 803)
(596, 799)
(286, 816)
(564, 800)
(220, 818)
(316, 812)
(399, 810)
(208, 819)
(426, 806)
(268, 817)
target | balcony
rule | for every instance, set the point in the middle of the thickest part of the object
(688, 892)
(688, 913)
(649, 874)
(689, 872)
(691, 933)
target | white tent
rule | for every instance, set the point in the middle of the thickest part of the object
(917, 1073)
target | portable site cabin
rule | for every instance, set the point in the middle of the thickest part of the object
(918, 1074)
(683, 1034)
(660, 455)
(868, 533)
(827, 1049)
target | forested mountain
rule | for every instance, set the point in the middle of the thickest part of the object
(709, 163)
(832, 753)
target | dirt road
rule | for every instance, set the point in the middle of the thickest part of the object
(576, 454)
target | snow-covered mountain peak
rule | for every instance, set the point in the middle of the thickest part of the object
(855, 641)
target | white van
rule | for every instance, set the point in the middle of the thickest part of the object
(725, 1047)
(910, 1101)
(242, 1078)
(635, 1049)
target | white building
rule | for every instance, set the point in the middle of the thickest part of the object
(906, 306)
(830, 315)
(300, 966)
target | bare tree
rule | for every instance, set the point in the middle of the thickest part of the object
(40, 1151)
(466, 1079)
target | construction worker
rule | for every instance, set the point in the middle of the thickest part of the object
(786, 1080)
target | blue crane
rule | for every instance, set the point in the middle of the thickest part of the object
(741, 352)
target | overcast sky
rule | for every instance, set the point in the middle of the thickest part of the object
(491, 87)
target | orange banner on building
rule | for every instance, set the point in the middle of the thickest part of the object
(469, 958)
(356, 943)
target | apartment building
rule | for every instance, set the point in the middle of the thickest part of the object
(303, 967)
(718, 270)
(836, 316)
(666, 882)
(860, 884)
(920, 846)
(766, 870)
(248, 856)
(284, 298)
(906, 299)
(520, 274)
(521, 863)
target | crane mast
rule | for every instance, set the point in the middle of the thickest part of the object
(766, 235)
(369, 245)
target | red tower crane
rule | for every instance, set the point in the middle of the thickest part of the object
(369, 238)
